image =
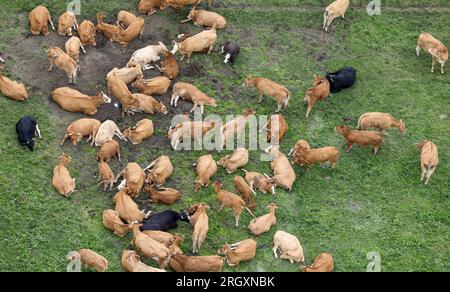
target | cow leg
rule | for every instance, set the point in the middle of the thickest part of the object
(51, 23)
(418, 51)
(422, 168)
(275, 249)
(325, 20)
(210, 49)
(64, 140)
(51, 66)
(433, 64)
(220, 209)
(118, 155)
(38, 132)
(279, 107)
(189, 58)
(193, 109)
(237, 220)
(429, 174)
(202, 108)
(442, 68)
(310, 106)
(349, 147)
(82, 48)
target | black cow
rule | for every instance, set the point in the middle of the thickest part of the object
(165, 220)
(26, 128)
(231, 50)
(344, 78)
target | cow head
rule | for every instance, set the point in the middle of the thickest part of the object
(402, 126)
(440, 52)
(162, 108)
(193, 13)
(162, 47)
(421, 144)
(30, 144)
(104, 97)
(248, 81)
(184, 216)
(176, 47)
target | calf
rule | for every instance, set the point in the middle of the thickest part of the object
(380, 121)
(239, 252)
(429, 159)
(125, 18)
(233, 162)
(165, 220)
(229, 200)
(11, 88)
(89, 258)
(27, 128)
(165, 196)
(106, 132)
(134, 31)
(336, 9)
(289, 245)
(169, 66)
(111, 220)
(81, 128)
(341, 79)
(304, 155)
(74, 101)
(66, 22)
(186, 91)
(131, 263)
(149, 6)
(267, 87)
(206, 18)
(190, 264)
(128, 74)
(58, 57)
(149, 105)
(206, 168)
(363, 138)
(149, 247)
(284, 175)
(127, 209)
(263, 223)
(201, 226)
(148, 55)
(142, 131)
(246, 191)
(160, 170)
(134, 178)
(109, 150)
(106, 175)
(73, 46)
(262, 182)
(196, 44)
(319, 91)
(62, 181)
(323, 263)
(435, 48)
(231, 50)
(154, 87)
(107, 29)
(87, 34)
(39, 18)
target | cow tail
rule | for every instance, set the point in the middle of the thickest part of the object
(360, 121)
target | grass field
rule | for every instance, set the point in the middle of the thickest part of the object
(368, 203)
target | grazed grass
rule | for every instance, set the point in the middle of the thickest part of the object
(367, 204)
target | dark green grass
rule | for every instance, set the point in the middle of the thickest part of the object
(368, 203)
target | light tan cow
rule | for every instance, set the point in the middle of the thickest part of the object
(91, 259)
(39, 18)
(11, 88)
(125, 18)
(142, 131)
(196, 44)
(133, 179)
(159, 171)
(336, 9)
(154, 87)
(106, 132)
(62, 181)
(87, 33)
(429, 159)
(435, 48)
(74, 101)
(73, 46)
(81, 128)
(108, 30)
(131, 263)
(206, 18)
(289, 245)
(58, 57)
(206, 168)
(265, 86)
(66, 22)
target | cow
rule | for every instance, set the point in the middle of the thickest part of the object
(27, 128)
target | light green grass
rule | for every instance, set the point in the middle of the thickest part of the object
(369, 203)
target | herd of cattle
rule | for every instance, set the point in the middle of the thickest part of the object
(149, 230)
